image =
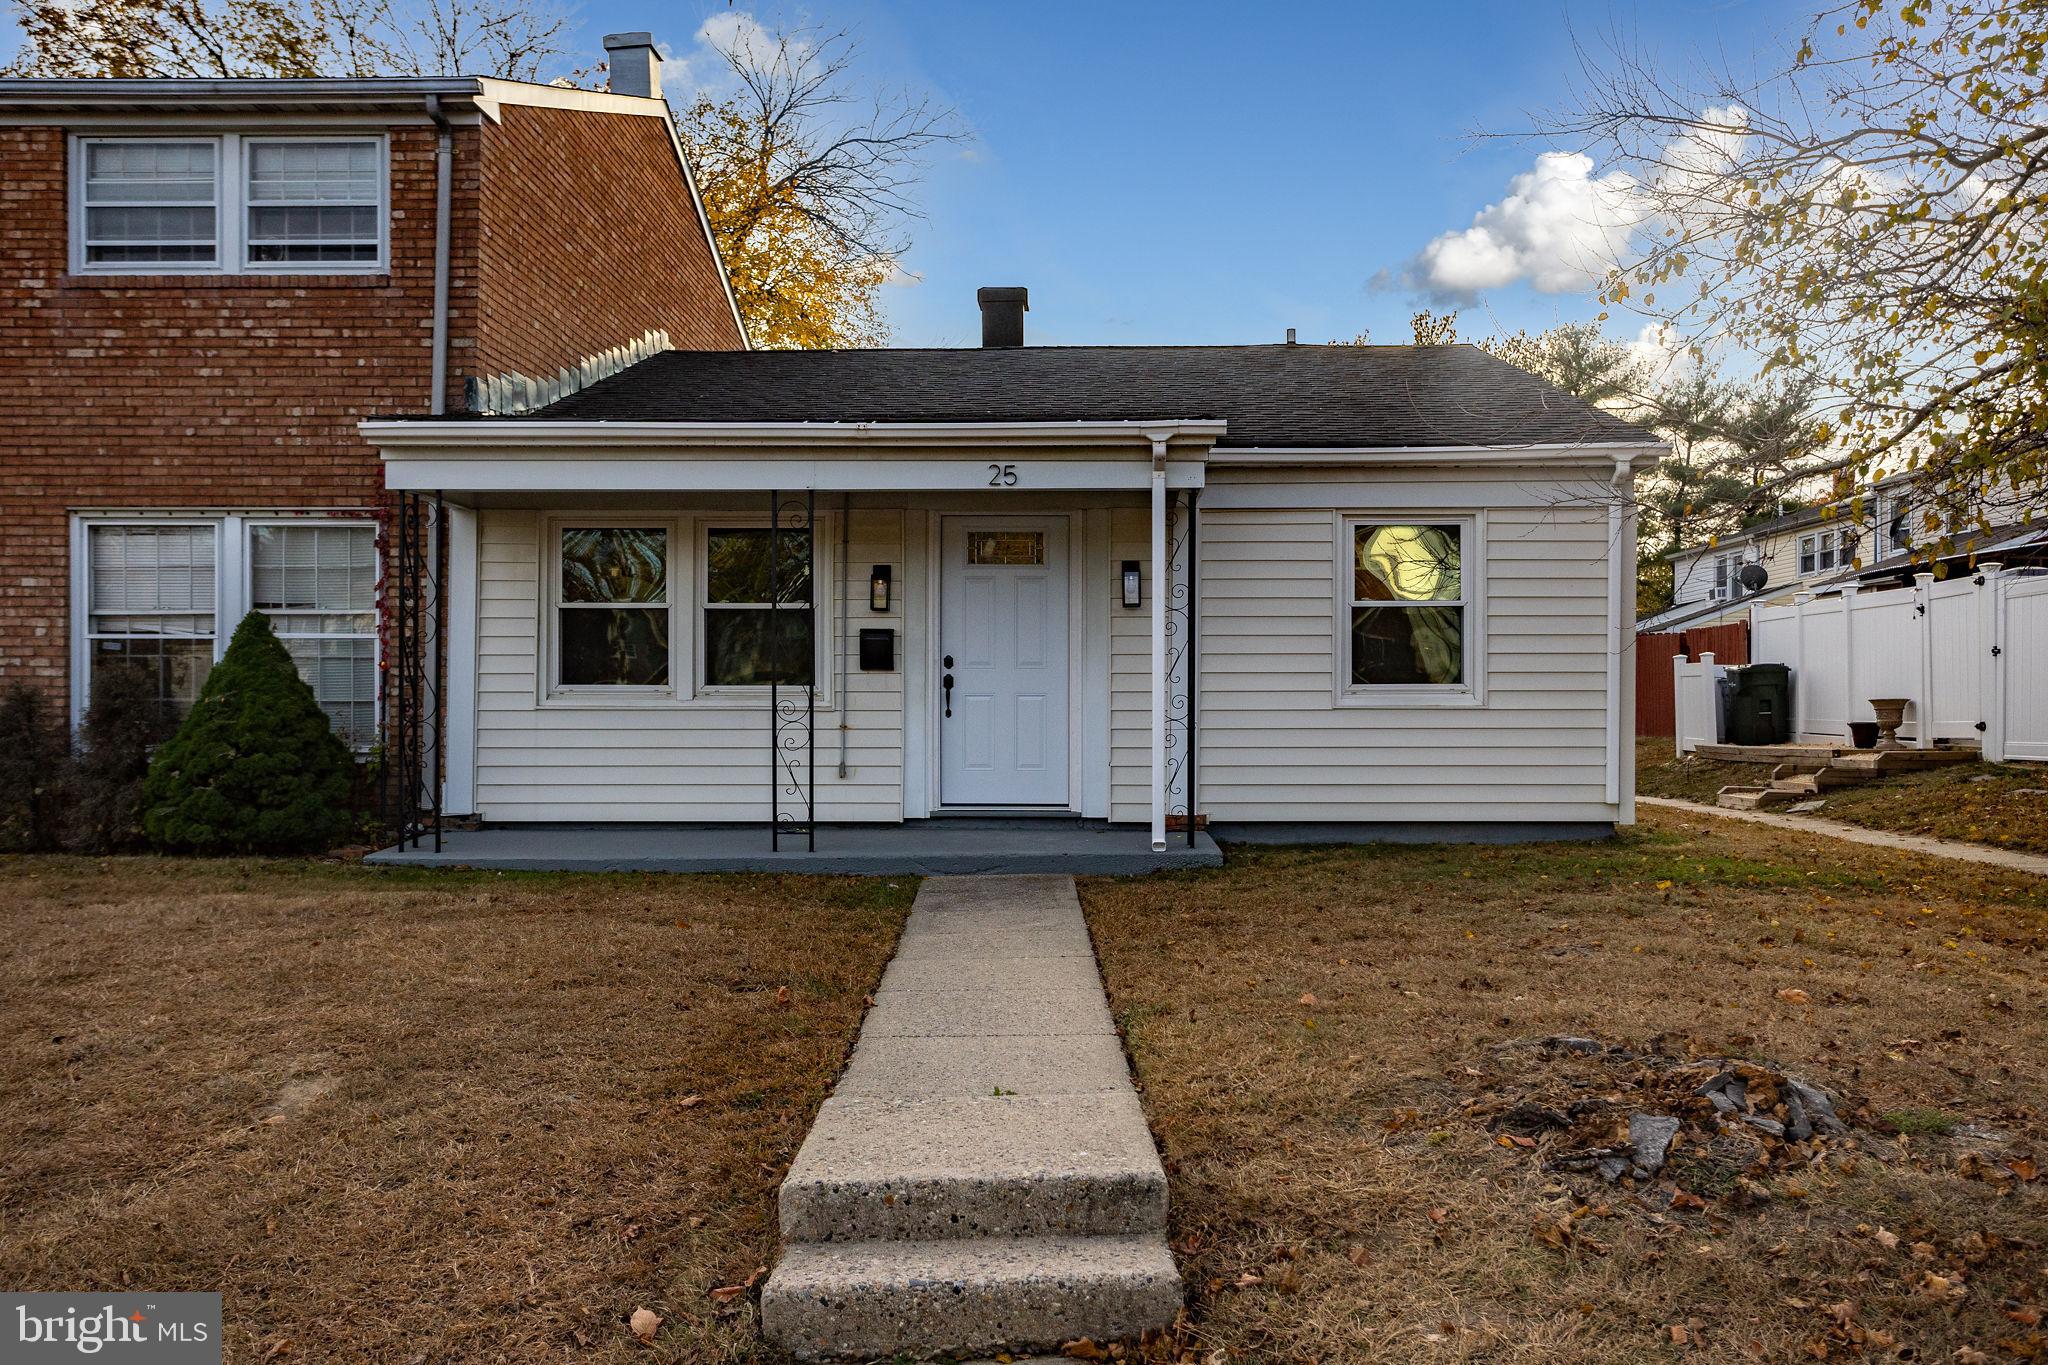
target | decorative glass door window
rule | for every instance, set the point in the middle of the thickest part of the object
(150, 607)
(1407, 605)
(756, 632)
(613, 620)
(318, 586)
(1006, 547)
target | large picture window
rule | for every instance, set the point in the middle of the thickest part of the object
(613, 618)
(229, 204)
(757, 631)
(1408, 606)
(318, 586)
(150, 594)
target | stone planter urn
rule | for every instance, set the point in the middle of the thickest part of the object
(1891, 714)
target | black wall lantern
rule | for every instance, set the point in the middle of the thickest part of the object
(1134, 584)
(878, 587)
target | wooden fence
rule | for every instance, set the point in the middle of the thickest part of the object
(1656, 712)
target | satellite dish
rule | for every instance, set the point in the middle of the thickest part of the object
(1753, 577)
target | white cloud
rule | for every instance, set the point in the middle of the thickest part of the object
(1661, 352)
(1560, 227)
(703, 69)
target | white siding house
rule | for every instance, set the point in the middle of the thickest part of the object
(1283, 592)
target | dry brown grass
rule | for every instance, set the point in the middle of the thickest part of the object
(1325, 1147)
(2004, 805)
(454, 1117)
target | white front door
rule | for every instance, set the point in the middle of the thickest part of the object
(1003, 646)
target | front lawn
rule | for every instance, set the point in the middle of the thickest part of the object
(1342, 1054)
(420, 1117)
(2004, 805)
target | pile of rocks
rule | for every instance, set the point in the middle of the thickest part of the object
(1778, 1119)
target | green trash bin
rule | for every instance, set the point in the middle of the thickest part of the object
(1760, 706)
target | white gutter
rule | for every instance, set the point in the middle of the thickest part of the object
(1534, 453)
(493, 439)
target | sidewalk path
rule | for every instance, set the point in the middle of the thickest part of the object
(982, 1179)
(1835, 829)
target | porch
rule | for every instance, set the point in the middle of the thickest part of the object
(914, 848)
(848, 661)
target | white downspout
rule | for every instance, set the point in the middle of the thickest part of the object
(1158, 644)
(1617, 490)
(845, 618)
(444, 193)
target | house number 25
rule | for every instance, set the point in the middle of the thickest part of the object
(1002, 475)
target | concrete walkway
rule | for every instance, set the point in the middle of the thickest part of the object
(1856, 834)
(983, 1179)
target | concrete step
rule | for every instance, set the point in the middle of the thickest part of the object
(1755, 798)
(987, 1166)
(919, 1299)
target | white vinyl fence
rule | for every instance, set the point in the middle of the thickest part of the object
(1970, 654)
(1696, 701)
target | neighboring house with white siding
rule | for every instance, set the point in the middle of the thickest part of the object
(1368, 591)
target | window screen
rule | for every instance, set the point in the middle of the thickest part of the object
(150, 607)
(312, 201)
(151, 203)
(745, 642)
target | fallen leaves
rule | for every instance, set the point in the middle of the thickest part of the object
(1792, 995)
(644, 1323)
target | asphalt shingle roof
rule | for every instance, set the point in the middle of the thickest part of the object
(1299, 396)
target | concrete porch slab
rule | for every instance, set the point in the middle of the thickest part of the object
(914, 848)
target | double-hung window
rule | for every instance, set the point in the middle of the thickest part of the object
(230, 204)
(318, 586)
(758, 616)
(1410, 618)
(150, 594)
(152, 597)
(1817, 552)
(614, 621)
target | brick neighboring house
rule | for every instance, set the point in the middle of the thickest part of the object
(208, 283)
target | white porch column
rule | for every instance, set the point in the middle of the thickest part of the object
(1159, 571)
(458, 782)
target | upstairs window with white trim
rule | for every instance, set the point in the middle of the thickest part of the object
(1817, 552)
(318, 586)
(150, 599)
(231, 204)
(151, 204)
(1408, 605)
(313, 202)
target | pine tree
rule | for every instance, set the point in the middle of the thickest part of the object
(256, 767)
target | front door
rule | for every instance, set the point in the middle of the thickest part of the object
(1003, 646)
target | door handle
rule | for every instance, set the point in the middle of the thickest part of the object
(947, 683)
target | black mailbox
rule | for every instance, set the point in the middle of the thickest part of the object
(878, 650)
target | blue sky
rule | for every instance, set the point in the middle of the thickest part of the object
(1198, 172)
(1201, 172)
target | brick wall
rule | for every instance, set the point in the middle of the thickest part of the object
(161, 392)
(587, 241)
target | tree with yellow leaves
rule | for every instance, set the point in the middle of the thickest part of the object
(1871, 220)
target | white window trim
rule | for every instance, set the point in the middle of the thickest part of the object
(232, 591)
(230, 208)
(1472, 584)
(553, 690)
(686, 578)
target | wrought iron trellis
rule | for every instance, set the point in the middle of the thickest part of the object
(792, 721)
(1180, 660)
(416, 563)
